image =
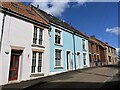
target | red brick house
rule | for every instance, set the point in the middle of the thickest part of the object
(97, 52)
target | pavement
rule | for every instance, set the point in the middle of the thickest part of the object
(95, 78)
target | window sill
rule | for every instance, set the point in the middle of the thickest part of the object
(58, 45)
(60, 67)
(35, 45)
(37, 74)
(85, 66)
(84, 50)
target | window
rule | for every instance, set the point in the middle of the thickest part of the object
(29, 11)
(97, 48)
(84, 58)
(114, 51)
(36, 62)
(58, 55)
(111, 50)
(37, 36)
(108, 49)
(83, 43)
(109, 57)
(57, 36)
(15, 5)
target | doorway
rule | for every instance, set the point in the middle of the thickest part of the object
(78, 59)
(14, 64)
(69, 62)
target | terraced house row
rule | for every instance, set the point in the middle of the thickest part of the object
(35, 44)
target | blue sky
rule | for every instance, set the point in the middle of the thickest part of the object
(94, 18)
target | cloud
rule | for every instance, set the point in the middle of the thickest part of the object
(114, 30)
(52, 7)
(55, 7)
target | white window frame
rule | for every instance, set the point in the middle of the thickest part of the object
(84, 43)
(61, 58)
(36, 68)
(86, 59)
(37, 41)
(61, 32)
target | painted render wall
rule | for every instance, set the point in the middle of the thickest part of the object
(67, 45)
(112, 55)
(18, 34)
(79, 48)
(1, 20)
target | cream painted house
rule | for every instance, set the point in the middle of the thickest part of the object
(24, 44)
(111, 55)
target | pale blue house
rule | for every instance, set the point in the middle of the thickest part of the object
(68, 46)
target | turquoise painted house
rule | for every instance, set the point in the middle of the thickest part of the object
(68, 46)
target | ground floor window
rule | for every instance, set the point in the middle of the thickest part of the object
(36, 62)
(109, 57)
(58, 57)
(84, 58)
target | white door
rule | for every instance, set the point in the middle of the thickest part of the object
(78, 59)
(69, 62)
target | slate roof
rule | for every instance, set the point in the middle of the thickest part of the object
(53, 19)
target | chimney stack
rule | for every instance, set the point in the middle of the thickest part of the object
(37, 6)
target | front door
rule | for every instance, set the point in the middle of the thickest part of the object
(68, 60)
(14, 65)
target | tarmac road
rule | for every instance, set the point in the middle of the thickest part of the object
(93, 78)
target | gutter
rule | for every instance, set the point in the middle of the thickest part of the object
(2, 31)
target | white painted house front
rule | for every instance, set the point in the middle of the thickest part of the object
(24, 49)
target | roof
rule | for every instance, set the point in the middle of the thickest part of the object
(92, 39)
(97, 41)
(109, 46)
(59, 22)
(23, 10)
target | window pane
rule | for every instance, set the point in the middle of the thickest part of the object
(57, 57)
(39, 61)
(83, 42)
(39, 68)
(33, 62)
(35, 35)
(84, 58)
(33, 69)
(40, 36)
(57, 37)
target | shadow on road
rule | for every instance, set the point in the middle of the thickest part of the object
(48, 82)
(114, 83)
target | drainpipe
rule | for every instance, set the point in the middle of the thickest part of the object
(74, 50)
(2, 31)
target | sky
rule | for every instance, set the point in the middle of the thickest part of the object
(93, 18)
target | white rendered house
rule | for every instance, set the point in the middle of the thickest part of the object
(24, 39)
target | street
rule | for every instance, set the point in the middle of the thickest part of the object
(94, 78)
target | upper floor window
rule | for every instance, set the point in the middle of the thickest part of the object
(38, 36)
(114, 51)
(97, 48)
(111, 50)
(83, 44)
(58, 37)
(108, 49)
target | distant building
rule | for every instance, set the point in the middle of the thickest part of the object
(111, 54)
(97, 52)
